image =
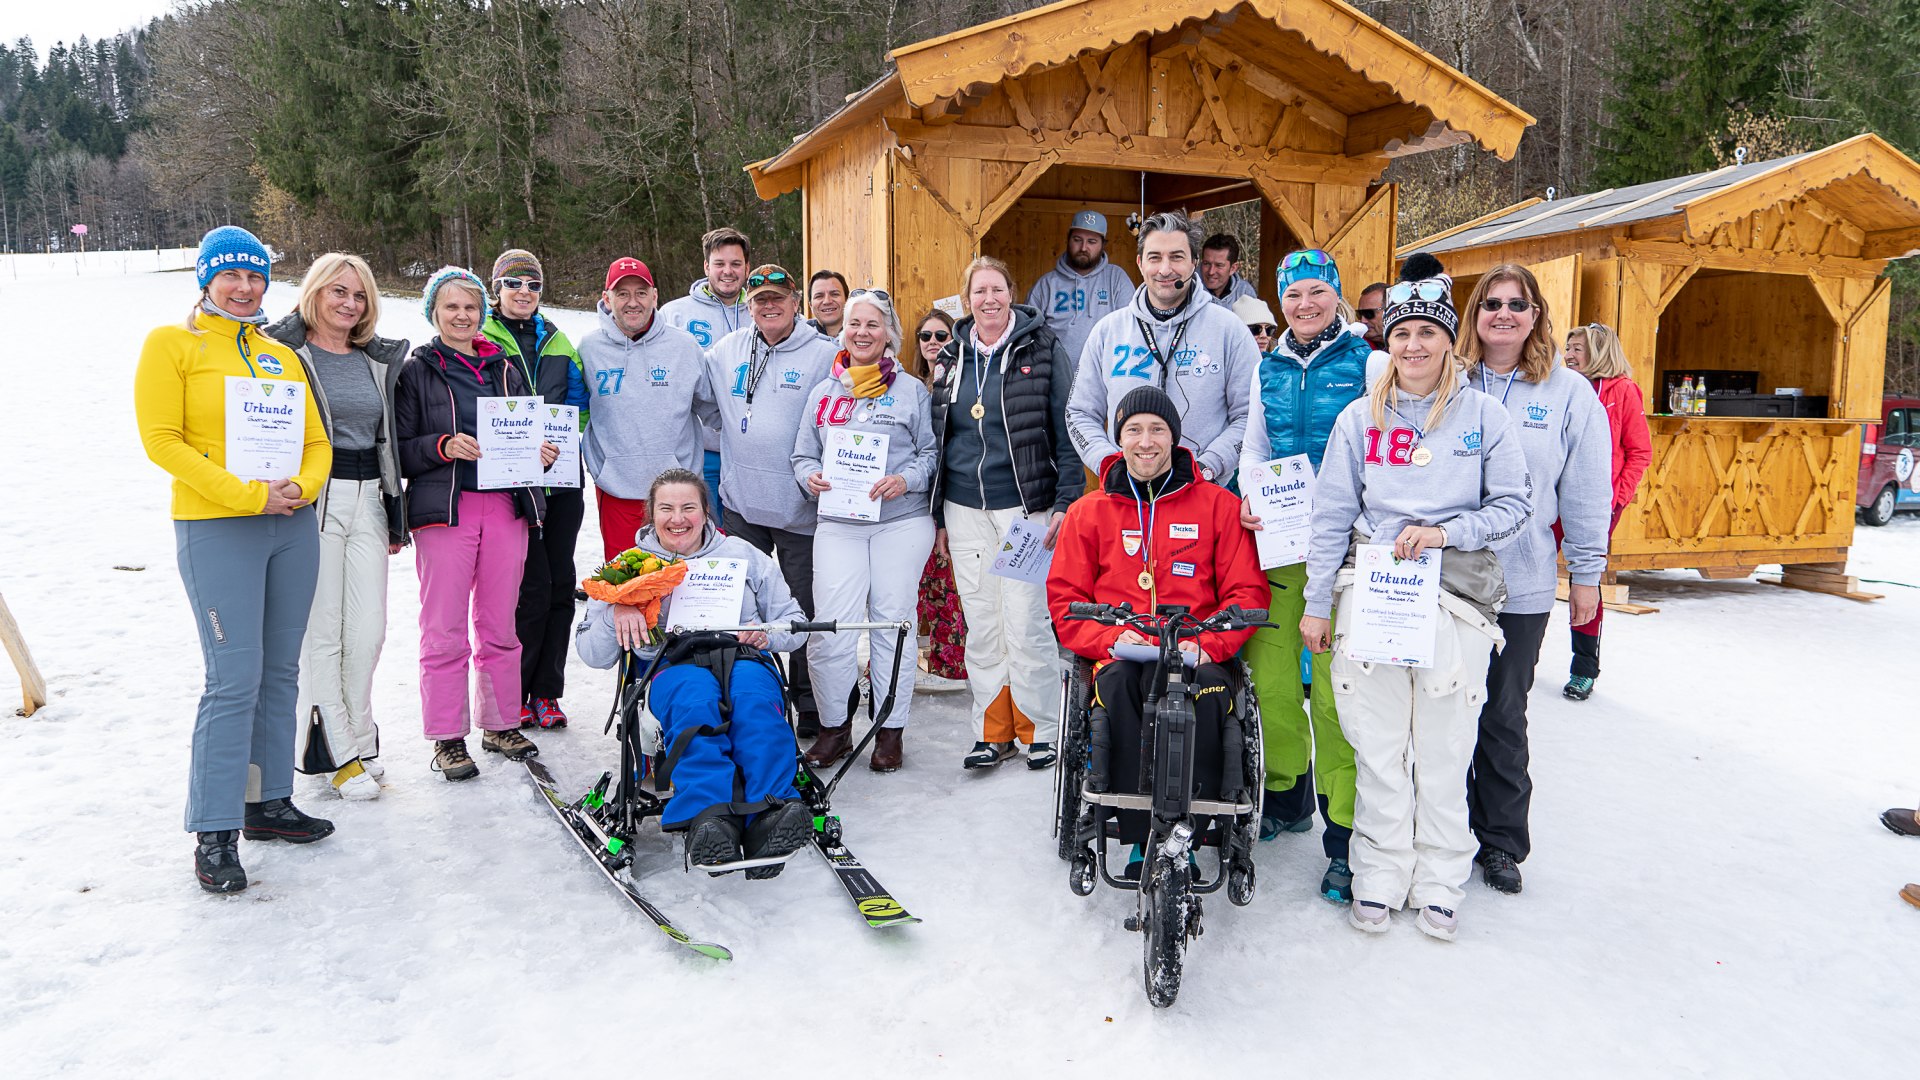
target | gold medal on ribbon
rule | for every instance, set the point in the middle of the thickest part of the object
(978, 410)
(1146, 580)
(1422, 456)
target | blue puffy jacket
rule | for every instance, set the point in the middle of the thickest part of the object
(1295, 406)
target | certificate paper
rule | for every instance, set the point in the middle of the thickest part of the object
(710, 595)
(1023, 553)
(1281, 494)
(266, 427)
(1396, 607)
(509, 431)
(854, 462)
(562, 429)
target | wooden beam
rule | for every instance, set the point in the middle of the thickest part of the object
(1211, 92)
(1098, 93)
(1022, 112)
(1176, 189)
(1270, 189)
(33, 688)
(1002, 202)
(1370, 132)
(1438, 137)
(1047, 204)
(1276, 87)
(1891, 244)
(1746, 259)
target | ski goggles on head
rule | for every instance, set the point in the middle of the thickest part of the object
(514, 284)
(1430, 289)
(1312, 257)
(1312, 264)
(775, 277)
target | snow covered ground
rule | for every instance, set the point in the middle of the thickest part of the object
(1710, 893)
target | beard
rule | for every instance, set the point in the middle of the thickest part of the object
(1083, 262)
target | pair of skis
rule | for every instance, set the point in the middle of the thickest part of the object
(870, 899)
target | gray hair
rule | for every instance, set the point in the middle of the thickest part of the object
(1172, 221)
(878, 300)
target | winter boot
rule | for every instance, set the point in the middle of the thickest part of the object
(985, 755)
(714, 839)
(512, 744)
(888, 752)
(1902, 821)
(1500, 870)
(528, 718)
(355, 783)
(1337, 883)
(1040, 755)
(1578, 688)
(1289, 811)
(780, 831)
(451, 760)
(833, 744)
(1368, 916)
(216, 862)
(279, 819)
(1911, 894)
(547, 711)
(1437, 922)
(373, 767)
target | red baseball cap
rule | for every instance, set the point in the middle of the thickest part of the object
(628, 267)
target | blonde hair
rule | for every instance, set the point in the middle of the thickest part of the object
(1388, 385)
(1605, 358)
(321, 274)
(985, 262)
(1536, 356)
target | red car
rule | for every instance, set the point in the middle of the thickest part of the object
(1889, 454)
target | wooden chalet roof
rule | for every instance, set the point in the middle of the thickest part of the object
(1864, 180)
(1385, 93)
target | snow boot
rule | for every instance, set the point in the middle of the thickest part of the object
(373, 767)
(1437, 922)
(985, 755)
(354, 782)
(216, 862)
(1911, 894)
(1501, 872)
(782, 830)
(833, 744)
(528, 718)
(1904, 822)
(547, 711)
(279, 819)
(1040, 755)
(1368, 916)
(1136, 858)
(451, 760)
(888, 751)
(512, 744)
(1337, 883)
(1578, 688)
(713, 839)
(1286, 811)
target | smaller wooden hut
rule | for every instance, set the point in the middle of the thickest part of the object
(1768, 273)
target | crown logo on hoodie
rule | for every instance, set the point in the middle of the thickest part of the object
(1536, 411)
(659, 373)
(1471, 440)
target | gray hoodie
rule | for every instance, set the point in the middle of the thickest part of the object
(1563, 428)
(1214, 368)
(701, 314)
(1476, 484)
(904, 414)
(756, 453)
(649, 398)
(1072, 302)
(765, 599)
(1237, 287)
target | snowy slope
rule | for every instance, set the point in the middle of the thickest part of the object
(1710, 893)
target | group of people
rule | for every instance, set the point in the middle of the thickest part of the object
(1111, 420)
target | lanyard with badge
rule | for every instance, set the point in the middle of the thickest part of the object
(1485, 387)
(756, 367)
(1153, 347)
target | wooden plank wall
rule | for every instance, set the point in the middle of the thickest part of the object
(1771, 323)
(846, 200)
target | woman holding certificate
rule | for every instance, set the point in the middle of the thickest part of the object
(228, 412)
(1421, 466)
(472, 453)
(866, 452)
(1316, 368)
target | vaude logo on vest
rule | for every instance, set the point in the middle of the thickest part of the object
(1536, 415)
(1470, 440)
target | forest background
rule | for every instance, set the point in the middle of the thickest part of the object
(423, 132)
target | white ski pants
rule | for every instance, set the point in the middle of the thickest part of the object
(347, 626)
(1010, 642)
(1412, 731)
(865, 573)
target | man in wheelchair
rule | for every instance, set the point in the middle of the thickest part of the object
(1154, 533)
(731, 755)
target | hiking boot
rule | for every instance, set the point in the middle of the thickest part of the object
(527, 716)
(451, 760)
(1500, 870)
(780, 831)
(1337, 883)
(1578, 688)
(510, 743)
(1437, 922)
(887, 750)
(713, 840)
(833, 744)
(1904, 822)
(355, 782)
(1368, 916)
(216, 862)
(1271, 827)
(1911, 894)
(547, 711)
(985, 755)
(1041, 756)
(279, 819)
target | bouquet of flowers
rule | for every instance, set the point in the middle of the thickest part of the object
(637, 578)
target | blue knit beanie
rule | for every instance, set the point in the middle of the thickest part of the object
(231, 247)
(452, 273)
(1312, 264)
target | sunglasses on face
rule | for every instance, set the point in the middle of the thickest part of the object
(1267, 328)
(1315, 257)
(1366, 312)
(778, 277)
(514, 284)
(1515, 305)
(934, 335)
(1425, 290)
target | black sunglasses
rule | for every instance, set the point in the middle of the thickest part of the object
(881, 293)
(1516, 304)
(1266, 328)
(1366, 312)
(778, 277)
(934, 335)
(511, 284)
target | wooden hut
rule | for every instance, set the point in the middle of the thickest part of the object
(988, 140)
(1771, 268)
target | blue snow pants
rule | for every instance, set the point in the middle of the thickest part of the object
(758, 749)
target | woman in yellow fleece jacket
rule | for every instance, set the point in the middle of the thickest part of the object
(247, 543)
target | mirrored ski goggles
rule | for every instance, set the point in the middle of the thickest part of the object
(772, 277)
(1313, 257)
(1430, 289)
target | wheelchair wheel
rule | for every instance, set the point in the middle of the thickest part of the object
(1171, 912)
(1076, 695)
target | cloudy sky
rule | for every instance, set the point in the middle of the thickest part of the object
(50, 21)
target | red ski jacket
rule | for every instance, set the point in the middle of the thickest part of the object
(1632, 443)
(1189, 538)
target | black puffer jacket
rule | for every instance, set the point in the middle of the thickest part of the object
(425, 416)
(1035, 376)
